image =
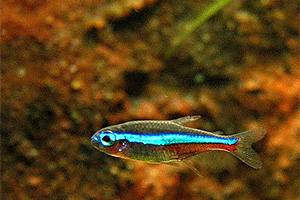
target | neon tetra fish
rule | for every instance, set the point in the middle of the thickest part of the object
(166, 141)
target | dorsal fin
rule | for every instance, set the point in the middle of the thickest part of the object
(184, 120)
(219, 133)
(174, 164)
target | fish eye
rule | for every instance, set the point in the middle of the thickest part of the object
(107, 139)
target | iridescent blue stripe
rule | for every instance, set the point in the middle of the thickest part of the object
(173, 138)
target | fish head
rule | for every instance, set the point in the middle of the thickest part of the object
(108, 141)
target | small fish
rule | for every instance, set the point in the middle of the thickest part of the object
(168, 141)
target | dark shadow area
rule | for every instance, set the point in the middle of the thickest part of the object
(135, 19)
(136, 82)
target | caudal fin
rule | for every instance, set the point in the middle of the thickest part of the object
(244, 151)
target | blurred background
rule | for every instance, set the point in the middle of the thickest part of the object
(70, 68)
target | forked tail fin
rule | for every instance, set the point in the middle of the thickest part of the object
(244, 151)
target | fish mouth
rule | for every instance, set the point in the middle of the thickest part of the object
(95, 140)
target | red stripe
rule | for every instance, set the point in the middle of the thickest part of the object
(187, 150)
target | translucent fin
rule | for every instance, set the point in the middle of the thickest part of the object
(189, 165)
(219, 133)
(186, 119)
(244, 151)
(174, 164)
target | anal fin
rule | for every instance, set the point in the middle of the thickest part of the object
(194, 169)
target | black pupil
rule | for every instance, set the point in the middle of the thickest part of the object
(106, 139)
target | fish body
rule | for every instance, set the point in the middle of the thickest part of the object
(165, 141)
